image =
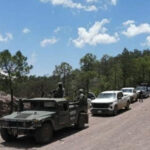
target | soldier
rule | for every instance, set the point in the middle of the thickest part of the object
(82, 99)
(141, 96)
(60, 91)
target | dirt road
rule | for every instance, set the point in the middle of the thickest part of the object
(130, 130)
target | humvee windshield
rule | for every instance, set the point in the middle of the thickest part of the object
(39, 105)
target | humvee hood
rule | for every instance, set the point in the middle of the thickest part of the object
(29, 115)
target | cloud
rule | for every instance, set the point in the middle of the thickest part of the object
(7, 37)
(95, 35)
(33, 58)
(26, 30)
(133, 30)
(47, 41)
(147, 42)
(114, 2)
(57, 30)
(128, 22)
(71, 4)
(91, 1)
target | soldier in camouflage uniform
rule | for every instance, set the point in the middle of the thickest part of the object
(82, 99)
(60, 91)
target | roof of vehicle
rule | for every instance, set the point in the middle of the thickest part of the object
(46, 99)
(141, 86)
(128, 88)
(111, 91)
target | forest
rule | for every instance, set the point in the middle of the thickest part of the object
(129, 68)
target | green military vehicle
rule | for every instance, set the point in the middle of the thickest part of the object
(40, 117)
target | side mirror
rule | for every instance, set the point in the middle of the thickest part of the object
(92, 97)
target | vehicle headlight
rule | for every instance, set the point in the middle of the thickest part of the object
(111, 105)
(36, 123)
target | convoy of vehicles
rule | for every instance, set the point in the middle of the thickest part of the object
(109, 102)
(131, 92)
(40, 117)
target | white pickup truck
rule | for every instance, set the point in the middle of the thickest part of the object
(131, 92)
(109, 102)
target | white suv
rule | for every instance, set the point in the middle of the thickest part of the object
(131, 92)
(109, 102)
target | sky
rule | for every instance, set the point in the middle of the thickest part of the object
(50, 32)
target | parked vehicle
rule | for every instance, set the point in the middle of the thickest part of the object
(109, 102)
(148, 90)
(144, 90)
(40, 117)
(91, 96)
(131, 92)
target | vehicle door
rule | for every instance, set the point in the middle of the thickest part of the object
(120, 100)
(63, 114)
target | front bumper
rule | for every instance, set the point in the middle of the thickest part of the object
(28, 125)
(101, 111)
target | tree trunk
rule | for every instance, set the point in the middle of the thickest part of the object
(143, 74)
(87, 86)
(12, 95)
(115, 79)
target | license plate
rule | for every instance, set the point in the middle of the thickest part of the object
(99, 111)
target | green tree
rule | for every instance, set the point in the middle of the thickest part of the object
(63, 71)
(15, 66)
(88, 65)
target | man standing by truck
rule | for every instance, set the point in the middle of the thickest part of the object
(82, 99)
(141, 96)
(60, 91)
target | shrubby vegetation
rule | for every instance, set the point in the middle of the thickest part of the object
(109, 73)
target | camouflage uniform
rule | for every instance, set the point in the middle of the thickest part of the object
(141, 96)
(60, 91)
(82, 100)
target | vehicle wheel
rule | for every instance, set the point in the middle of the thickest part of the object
(93, 114)
(131, 100)
(115, 111)
(127, 106)
(7, 136)
(136, 99)
(80, 123)
(44, 134)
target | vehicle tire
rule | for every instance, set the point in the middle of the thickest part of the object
(131, 99)
(115, 111)
(44, 134)
(7, 136)
(127, 106)
(80, 123)
(93, 114)
(136, 99)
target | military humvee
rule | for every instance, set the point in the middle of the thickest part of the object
(40, 117)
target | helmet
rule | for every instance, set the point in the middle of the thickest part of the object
(59, 83)
(81, 90)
